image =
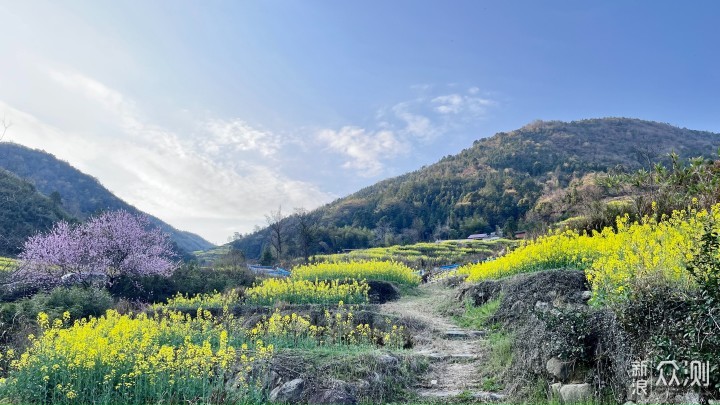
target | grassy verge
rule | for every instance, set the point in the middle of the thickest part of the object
(478, 317)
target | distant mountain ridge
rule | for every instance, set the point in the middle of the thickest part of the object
(81, 195)
(491, 185)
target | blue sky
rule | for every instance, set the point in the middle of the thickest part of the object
(208, 114)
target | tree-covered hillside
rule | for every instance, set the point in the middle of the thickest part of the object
(79, 194)
(23, 212)
(490, 186)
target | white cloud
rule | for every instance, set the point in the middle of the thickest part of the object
(451, 103)
(415, 124)
(239, 136)
(399, 128)
(365, 149)
(214, 183)
(459, 104)
(106, 97)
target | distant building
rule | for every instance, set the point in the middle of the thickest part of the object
(484, 236)
(520, 235)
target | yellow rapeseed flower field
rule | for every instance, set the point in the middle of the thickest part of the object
(214, 300)
(338, 328)
(359, 270)
(129, 359)
(612, 259)
(298, 291)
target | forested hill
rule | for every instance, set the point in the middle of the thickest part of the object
(493, 184)
(23, 212)
(78, 194)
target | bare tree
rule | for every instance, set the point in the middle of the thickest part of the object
(305, 232)
(233, 260)
(5, 125)
(276, 223)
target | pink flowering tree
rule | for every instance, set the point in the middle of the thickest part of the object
(107, 246)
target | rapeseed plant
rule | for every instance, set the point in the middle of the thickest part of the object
(613, 260)
(359, 270)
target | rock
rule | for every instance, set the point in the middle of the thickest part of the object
(555, 388)
(382, 292)
(542, 306)
(252, 320)
(689, 398)
(586, 295)
(290, 392)
(339, 393)
(273, 381)
(361, 387)
(449, 396)
(333, 397)
(463, 334)
(420, 340)
(558, 368)
(388, 361)
(480, 293)
(573, 393)
(433, 382)
(518, 307)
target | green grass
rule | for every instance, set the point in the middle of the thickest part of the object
(491, 384)
(478, 317)
(501, 352)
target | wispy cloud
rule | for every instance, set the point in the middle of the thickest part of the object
(456, 104)
(415, 123)
(398, 129)
(238, 135)
(216, 178)
(365, 149)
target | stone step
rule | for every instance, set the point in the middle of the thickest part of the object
(452, 357)
(477, 396)
(463, 334)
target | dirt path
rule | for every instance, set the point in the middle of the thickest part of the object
(456, 354)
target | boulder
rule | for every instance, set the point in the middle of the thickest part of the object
(382, 292)
(291, 392)
(388, 361)
(338, 393)
(574, 393)
(559, 369)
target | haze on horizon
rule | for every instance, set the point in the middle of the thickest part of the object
(210, 114)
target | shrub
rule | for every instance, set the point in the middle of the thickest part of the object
(17, 319)
(78, 302)
(190, 280)
(669, 324)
